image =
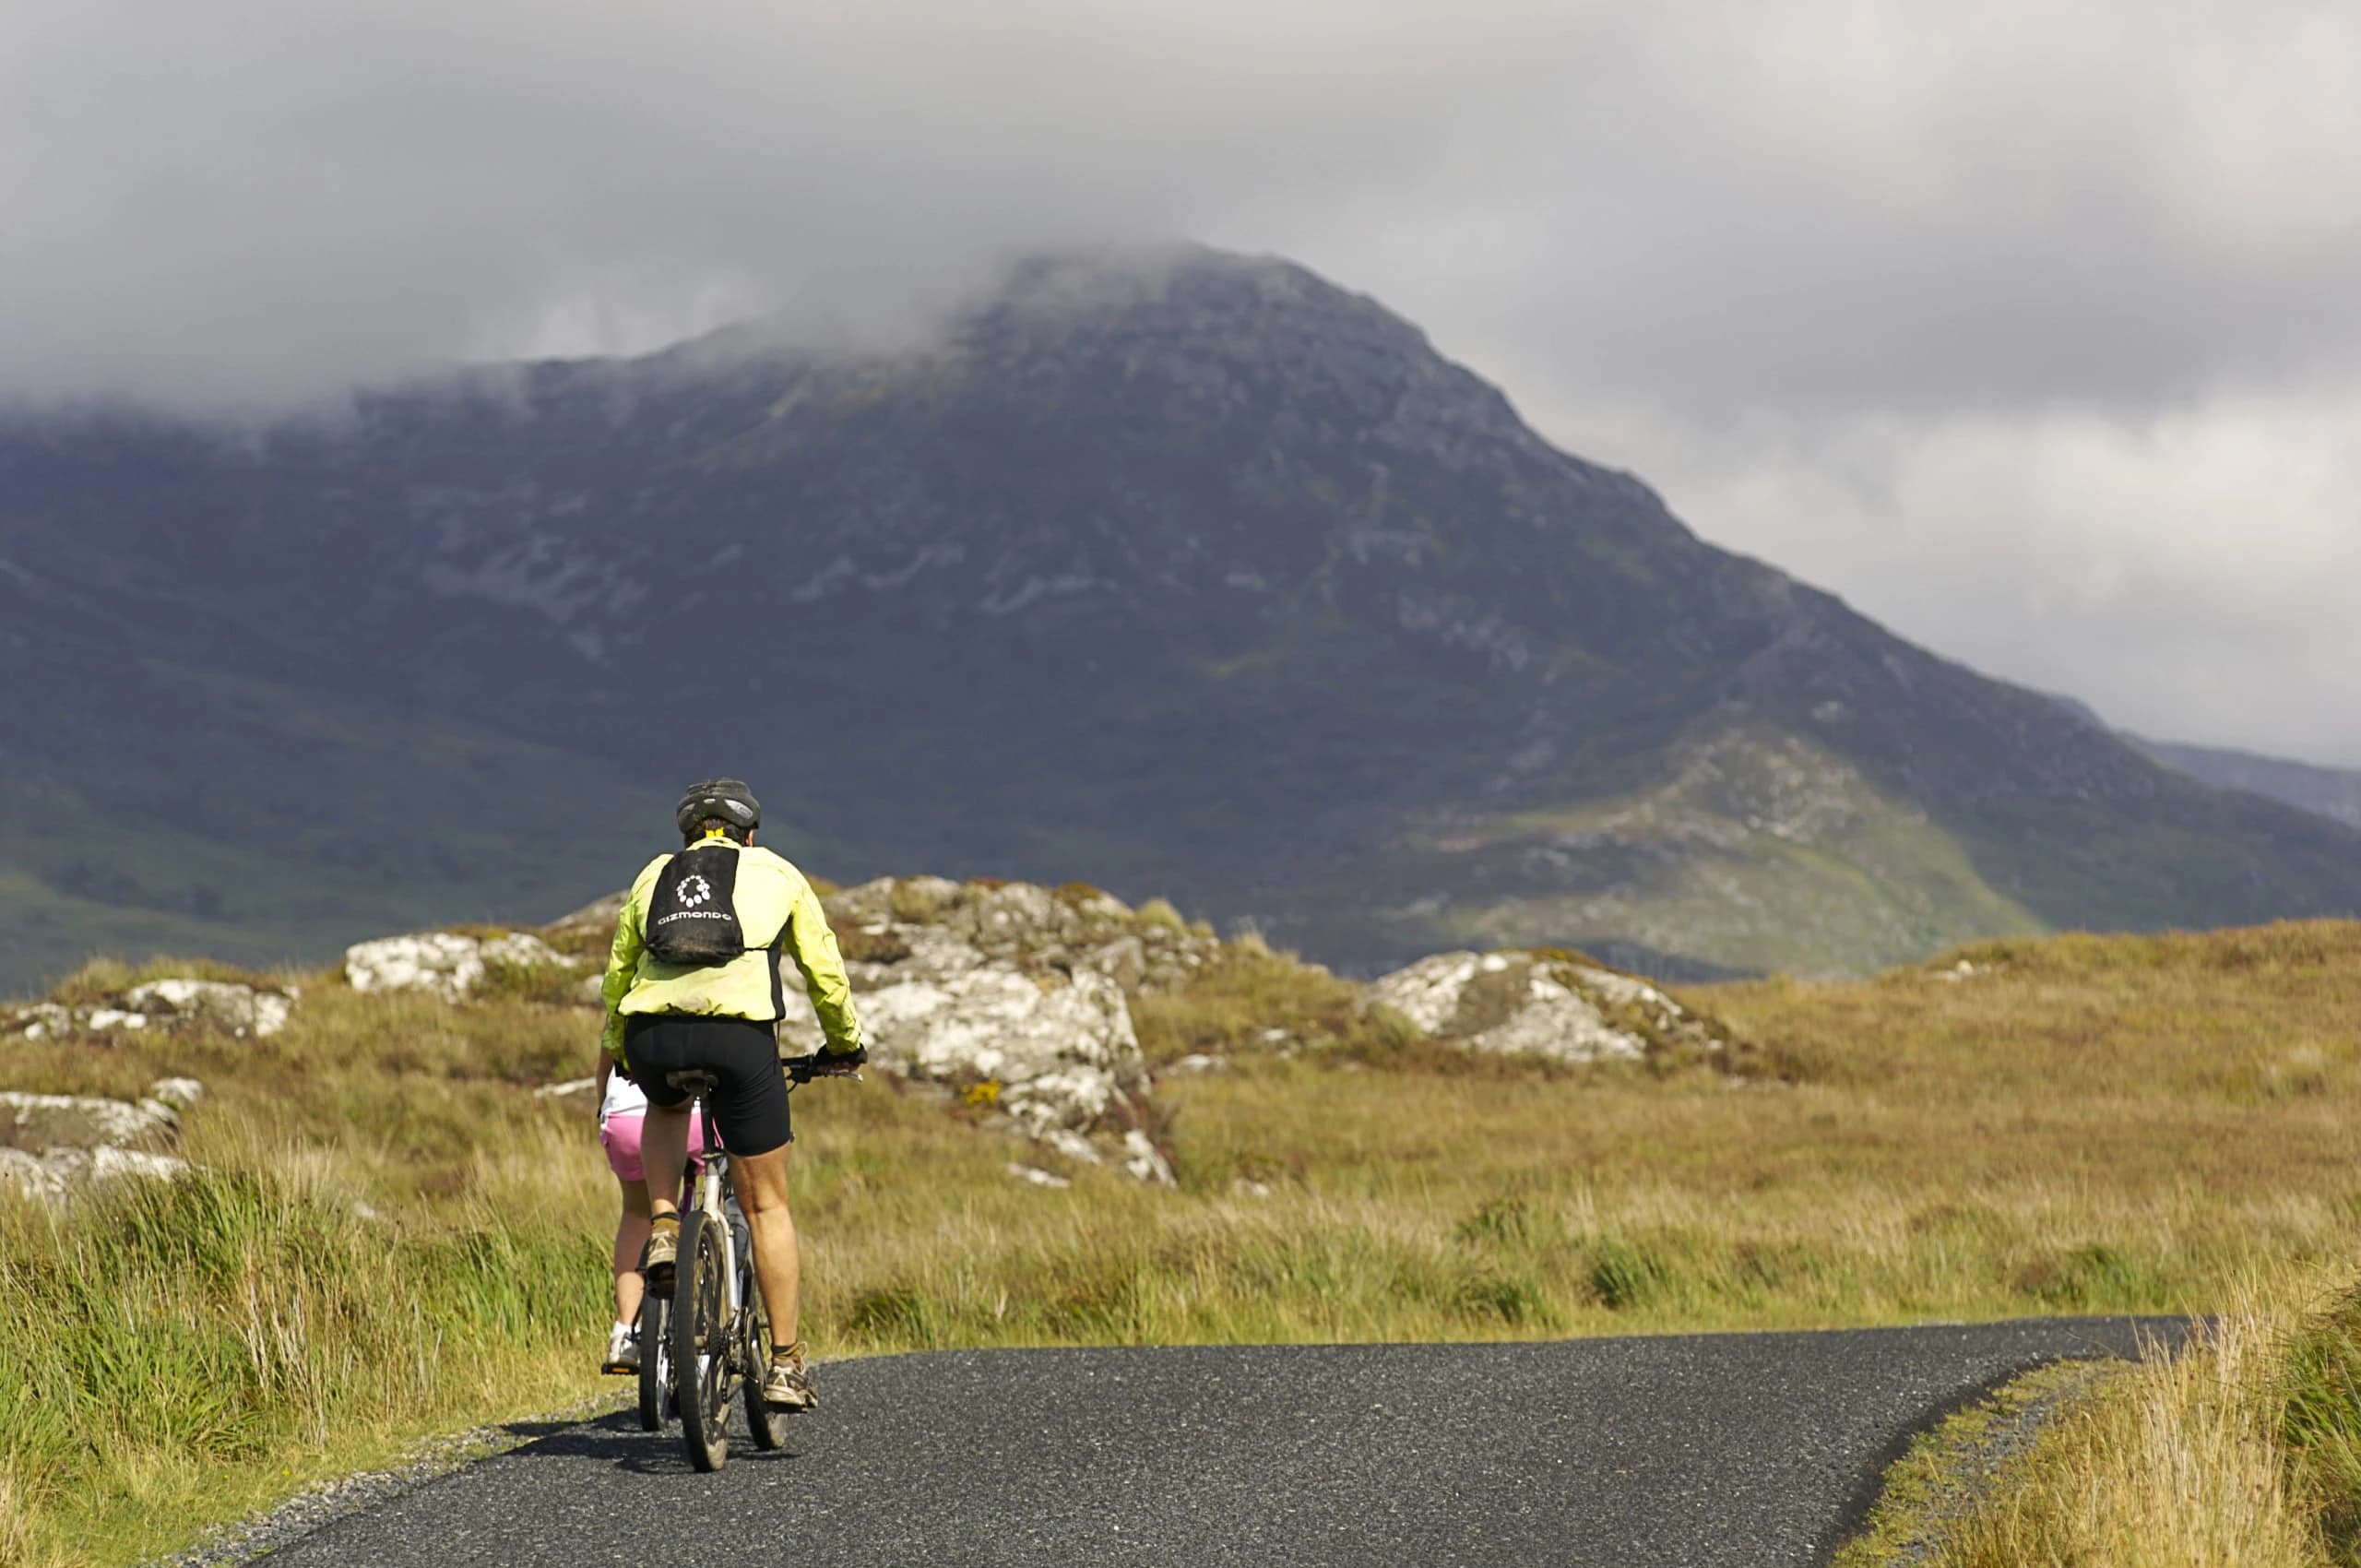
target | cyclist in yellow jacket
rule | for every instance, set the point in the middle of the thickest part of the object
(693, 980)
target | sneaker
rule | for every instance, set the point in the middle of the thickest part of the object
(623, 1352)
(788, 1386)
(663, 1249)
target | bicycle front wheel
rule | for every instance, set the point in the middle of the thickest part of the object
(701, 1339)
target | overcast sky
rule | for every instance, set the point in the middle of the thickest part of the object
(2034, 329)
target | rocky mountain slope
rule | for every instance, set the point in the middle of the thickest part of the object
(1194, 575)
(2333, 792)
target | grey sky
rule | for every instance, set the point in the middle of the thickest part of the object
(2029, 328)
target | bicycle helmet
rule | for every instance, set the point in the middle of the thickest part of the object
(727, 799)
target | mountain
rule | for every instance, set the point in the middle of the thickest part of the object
(2333, 792)
(1192, 575)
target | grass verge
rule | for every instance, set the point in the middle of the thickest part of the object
(2243, 1452)
(393, 1237)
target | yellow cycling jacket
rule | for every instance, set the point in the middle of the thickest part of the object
(776, 907)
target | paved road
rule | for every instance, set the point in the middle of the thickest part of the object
(1740, 1449)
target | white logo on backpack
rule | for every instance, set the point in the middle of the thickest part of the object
(694, 890)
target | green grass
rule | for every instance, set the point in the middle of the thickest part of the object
(1964, 1463)
(2084, 1124)
(1763, 853)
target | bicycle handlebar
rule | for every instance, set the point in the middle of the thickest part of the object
(803, 1069)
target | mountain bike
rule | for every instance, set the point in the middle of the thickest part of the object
(718, 1329)
(653, 1328)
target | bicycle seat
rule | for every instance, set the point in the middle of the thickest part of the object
(692, 1081)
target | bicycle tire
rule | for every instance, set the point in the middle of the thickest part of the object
(655, 1361)
(765, 1425)
(701, 1357)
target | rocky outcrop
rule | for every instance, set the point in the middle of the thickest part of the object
(1559, 1006)
(1065, 929)
(51, 1145)
(175, 1005)
(232, 1009)
(443, 963)
(1012, 996)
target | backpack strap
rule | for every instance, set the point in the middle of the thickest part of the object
(778, 981)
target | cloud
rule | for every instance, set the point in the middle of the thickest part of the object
(2029, 327)
(2189, 574)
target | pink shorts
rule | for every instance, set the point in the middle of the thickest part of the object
(619, 1136)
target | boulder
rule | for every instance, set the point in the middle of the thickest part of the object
(233, 1009)
(31, 1175)
(178, 1093)
(40, 1123)
(1070, 927)
(1035, 1176)
(51, 1145)
(442, 962)
(174, 1004)
(43, 1020)
(1559, 1006)
(1013, 995)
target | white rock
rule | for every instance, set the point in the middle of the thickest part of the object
(1036, 1175)
(567, 1089)
(240, 1009)
(30, 1176)
(1062, 1050)
(177, 1093)
(1197, 1062)
(444, 963)
(45, 1020)
(108, 1164)
(45, 1122)
(524, 950)
(1524, 1004)
(115, 1018)
(1144, 1161)
(1072, 1145)
(1427, 993)
(1246, 1187)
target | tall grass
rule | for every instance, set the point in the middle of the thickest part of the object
(2220, 1457)
(2078, 1126)
(245, 1325)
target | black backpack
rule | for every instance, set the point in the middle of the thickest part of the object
(693, 912)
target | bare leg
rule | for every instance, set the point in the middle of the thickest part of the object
(664, 1155)
(761, 1180)
(631, 1234)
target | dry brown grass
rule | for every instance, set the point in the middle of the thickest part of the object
(2188, 1462)
(2084, 1124)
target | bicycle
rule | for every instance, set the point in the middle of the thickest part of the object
(718, 1328)
(652, 1329)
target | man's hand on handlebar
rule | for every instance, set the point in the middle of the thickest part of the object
(827, 1065)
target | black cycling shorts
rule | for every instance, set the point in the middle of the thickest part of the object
(750, 1093)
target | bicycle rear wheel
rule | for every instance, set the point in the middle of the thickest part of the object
(701, 1340)
(655, 1361)
(765, 1425)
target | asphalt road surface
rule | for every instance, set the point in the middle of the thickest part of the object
(1752, 1449)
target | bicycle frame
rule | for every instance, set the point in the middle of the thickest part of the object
(711, 1199)
(720, 1336)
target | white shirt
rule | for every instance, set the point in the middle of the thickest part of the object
(624, 1098)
